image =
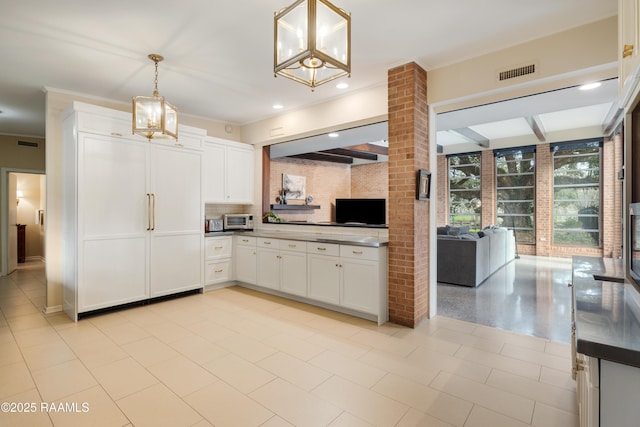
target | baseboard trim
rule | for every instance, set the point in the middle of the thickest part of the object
(35, 258)
(52, 309)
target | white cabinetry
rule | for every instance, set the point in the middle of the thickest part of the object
(619, 391)
(282, 265)
(588, 390)
(628, 38)
(132, 213)
(362, 269)
(324, 272)
(229, 171)
(218, 267)
(245, 259)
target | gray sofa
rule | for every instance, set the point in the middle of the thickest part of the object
(468, 259)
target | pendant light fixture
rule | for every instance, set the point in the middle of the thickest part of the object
(312, 42)
(153, 117)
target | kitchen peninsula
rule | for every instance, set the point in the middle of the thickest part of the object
(341, 272)
(606, 343)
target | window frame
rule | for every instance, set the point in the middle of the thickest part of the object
(576, 145)
(504, 153)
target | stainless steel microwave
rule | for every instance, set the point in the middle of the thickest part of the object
(238, 221)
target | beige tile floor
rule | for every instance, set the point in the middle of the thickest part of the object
(235, 357)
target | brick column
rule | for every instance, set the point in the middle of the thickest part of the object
(443, 191)
(544, 207)
(408, 217)
(488, 188)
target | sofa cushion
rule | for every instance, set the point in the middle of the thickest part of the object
(458, 231)
(442, 231)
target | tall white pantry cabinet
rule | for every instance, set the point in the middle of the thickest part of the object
(132, 211)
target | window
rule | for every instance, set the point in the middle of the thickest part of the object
(464, 190)
(515, 191)
(576, 193)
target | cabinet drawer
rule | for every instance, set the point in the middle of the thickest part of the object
(106, 126)
(323, 248)
(218, 247)
(245, 240)
(359, 252)
(218, 271)
(292, 245)
(267, 243)
(183, 141)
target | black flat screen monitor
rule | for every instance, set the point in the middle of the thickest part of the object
(361, 211)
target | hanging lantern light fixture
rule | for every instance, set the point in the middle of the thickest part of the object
(153, 117)
(312, 42)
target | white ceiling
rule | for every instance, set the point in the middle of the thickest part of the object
(218, 54)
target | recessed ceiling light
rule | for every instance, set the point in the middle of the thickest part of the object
(590, 86)
(277, 106)
(342, 85)
(334, 135)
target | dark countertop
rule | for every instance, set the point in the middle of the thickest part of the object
(607, 312)
(341, 239)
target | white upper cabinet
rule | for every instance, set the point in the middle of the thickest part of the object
(628, 47)
(228, 171)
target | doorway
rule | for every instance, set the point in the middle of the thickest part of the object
(22, 224)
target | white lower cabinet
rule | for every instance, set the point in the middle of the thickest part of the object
(347, 278)
(588, 391)
(282, 265)
(245, 259)
(218, 267)
(324, 272)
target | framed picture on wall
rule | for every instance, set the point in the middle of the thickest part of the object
(423, 185)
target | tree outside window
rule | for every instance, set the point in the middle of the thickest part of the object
(515, 190)
(465, 190)
(576, 194)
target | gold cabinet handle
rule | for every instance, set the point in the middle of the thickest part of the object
(219, 271)
(627, 50)
(245, 240)
(322, 249)
(148, 211)
(153, 211)
(266, 243)
(357, 252)
(116, 134)
(292, 246)
(218, 247)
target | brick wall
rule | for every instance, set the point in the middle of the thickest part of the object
(326, 182)
(442, 192)
(408, 218)
(611, 193)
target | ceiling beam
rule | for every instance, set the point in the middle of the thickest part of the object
(324, 158)
(370, 148)
(536, 126)
(352, 153)
(473, 136)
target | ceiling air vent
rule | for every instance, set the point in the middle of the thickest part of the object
(28, 144)
(517, 72)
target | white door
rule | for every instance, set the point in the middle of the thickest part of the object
(176, 218)
(245, 264)
(240, 175)
(269, 268)
(112, 221)
(213, 172)
(324, 278)
(360, 285)
(13, 222)
(293, 272)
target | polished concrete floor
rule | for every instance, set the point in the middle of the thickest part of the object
(529, 295)
(235, 357)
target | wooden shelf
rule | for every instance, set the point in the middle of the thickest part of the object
(294, 207)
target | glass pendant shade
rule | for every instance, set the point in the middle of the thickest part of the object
(153, 117)
(312, 42)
